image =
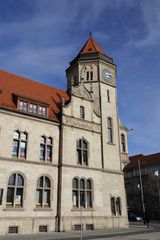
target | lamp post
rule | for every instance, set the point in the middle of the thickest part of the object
(156, 173)
(141, 188)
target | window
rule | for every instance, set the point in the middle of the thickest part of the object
(82, 152)
(118, 205)
(110, 130)
(113, 207)
(82, 112)
(87, 76)
(123, 142)
(33, 108)
(42, 110)
(91, 75)
(108, 96)
(46, 148)
(1, 195)
(82, 193)
(23, 106)
(15, 191)
(43, 192)
(19, 147)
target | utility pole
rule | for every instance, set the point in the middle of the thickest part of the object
(141, 188)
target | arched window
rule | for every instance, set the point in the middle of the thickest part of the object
(82, 112)
(43, 192)
(75, 192)
(91, 74)
(46, 148)
(110, 129)
(113, 207)
(82, 152)
(82, 191)
(118, 206)
(15, 191)
(123, 142)
(19, 147)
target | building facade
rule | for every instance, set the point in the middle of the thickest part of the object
(143, 195)
(62, 153)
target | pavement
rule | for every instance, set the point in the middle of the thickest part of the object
(136, 231)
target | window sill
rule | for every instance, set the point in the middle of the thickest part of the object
(109, 143)
(82, 209)
(14, 209)
(82, 165)
(43, 209)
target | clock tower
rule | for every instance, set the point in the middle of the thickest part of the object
(93, 68)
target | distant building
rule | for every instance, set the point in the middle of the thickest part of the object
(62, 152)
(149, 166)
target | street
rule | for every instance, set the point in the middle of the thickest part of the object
(136, 231)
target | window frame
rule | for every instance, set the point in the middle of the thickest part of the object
(81, 198)
(46, 146)
(42, 189)
(110, 130)
(15, 187)
(82, 152)
(19, 142)
(82, 112)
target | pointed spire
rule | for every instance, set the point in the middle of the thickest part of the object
(91, 47)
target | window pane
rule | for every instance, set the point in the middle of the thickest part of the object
(82, 113)
(23, 106)
(23, 136)
(23, 146)
(16, 135)
(113, 209)
(15, 148)
(82, 184)
(89, 199)
(79, 156)
(110, 137)
(49, 141)
(47, 183)
(33, 108)
(75, 183)
(82, 198)
(40, 182)
(10, 196)
(20, 181)
(43, 140)
(75, 198)
(46, 198)
(42, 152)
(85, 157)
(19, 196)
(49, 153)
(109, 122)
(89, 184)
(39, 198)
(84, 145)
(12, 179)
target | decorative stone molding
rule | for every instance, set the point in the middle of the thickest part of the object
(81, 91)
(74, 122)
(124, 158)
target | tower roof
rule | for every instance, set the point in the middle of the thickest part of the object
(91, 47)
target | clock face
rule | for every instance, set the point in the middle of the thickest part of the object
(106, 74)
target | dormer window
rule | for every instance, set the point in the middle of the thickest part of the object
(23, 106)
(32, 108)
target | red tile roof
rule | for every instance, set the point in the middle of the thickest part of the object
(147, 160)
(11, 85)
(91, 47)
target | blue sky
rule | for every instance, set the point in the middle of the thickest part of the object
(38, 38)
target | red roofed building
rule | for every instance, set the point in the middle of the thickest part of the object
(61, 150)
(146, 194)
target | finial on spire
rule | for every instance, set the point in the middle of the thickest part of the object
(90, 34)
